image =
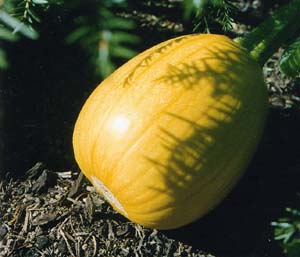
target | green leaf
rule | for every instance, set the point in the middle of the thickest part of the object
(124, 37)
(106, 66)
(287, 232)
(18, 26)
(3, 61)
(78, 34)
(121, 23)
(123, 52)
(267, 37)
(217, 3)
(191, 7)
(293, 211)
(34, 15)
(7, 35)
(40, 1)
(290, 59)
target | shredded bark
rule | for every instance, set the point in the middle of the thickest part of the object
(60, 214)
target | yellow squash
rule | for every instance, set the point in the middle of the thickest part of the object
(167, 135)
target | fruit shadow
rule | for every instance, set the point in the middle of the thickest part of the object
(241, 224)
(224, 227)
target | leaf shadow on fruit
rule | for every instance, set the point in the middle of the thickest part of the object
(197, 163)
(199, 166)
(240, 225)
(216, 64)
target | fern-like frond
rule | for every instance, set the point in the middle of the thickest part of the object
(112, 36)
(287, 232)
(18, 18)
(26, 11)
(206, 14)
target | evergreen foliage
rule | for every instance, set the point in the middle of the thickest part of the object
(18, 18)
(105, 36)
(208, 14)
(183, 16)
(107, 30)
(287, 231)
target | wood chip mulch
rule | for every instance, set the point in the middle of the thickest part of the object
(59, 214)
